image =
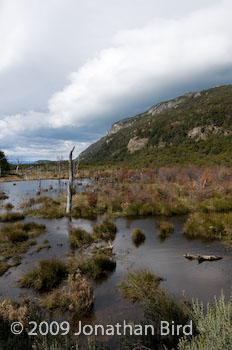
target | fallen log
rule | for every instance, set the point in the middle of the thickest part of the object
(202, 258)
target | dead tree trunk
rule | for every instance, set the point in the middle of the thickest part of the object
(70, 184)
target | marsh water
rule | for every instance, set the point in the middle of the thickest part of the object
(165, 258)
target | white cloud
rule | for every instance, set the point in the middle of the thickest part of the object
(140, 62)
(161, 53)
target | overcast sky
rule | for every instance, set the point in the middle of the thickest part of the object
(71, 68)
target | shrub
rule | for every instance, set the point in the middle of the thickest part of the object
(105, 231)
(47, 275)
(138, 236)
(213, 324)
(79, 238)
(76, 297)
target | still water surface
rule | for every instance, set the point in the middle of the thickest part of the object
(165, 258)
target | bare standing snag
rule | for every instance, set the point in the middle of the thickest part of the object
(70, 184)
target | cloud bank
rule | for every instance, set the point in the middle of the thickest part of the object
(140, 67)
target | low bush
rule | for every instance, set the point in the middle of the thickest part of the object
(213, 324)
(44, 277)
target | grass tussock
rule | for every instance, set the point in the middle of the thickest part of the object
(10, 217)
(105, 231)
(138, 236)
(79, 238)
(4, 266)
(205, 226)
(165, 229)
(47, 207)
(139, 285)
(76, 297)
(97, 266)
(46, 276)
(8, 206)
(144, 287)
(3, 196)
(16, 239)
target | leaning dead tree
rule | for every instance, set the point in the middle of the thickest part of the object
(70, 184)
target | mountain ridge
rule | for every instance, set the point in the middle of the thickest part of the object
(197, 125)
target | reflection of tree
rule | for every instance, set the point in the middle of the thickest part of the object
(4, 165)
(70, 183)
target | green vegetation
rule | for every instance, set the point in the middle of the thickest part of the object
(8, 206)
(79, 238)
(138, 236)
(139, 285)
(76, 297)
(105, 231)
(15, 239)
(165, 229)
(8, 217)
(143, 287)
(48, 208)
(44, 277)
(197, 130)
(3, 267)
(209, 227)
(97, 266)
(3, 196)
(213, 324)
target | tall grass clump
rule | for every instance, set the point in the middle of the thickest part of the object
(139, 285)
(46, 276)
(48, 208)
(9, 217)
(213, 324)
(97, 266)
(79, 238)
(165, 229)
(138, 236)
(204, 226)
(144, 288)
(76, 297)
(105, 231)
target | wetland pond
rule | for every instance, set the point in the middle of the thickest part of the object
(164, 258)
